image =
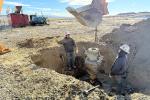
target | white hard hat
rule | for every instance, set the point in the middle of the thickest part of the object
(67, 33)
(125, 48)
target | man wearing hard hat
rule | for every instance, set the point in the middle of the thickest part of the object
(119, 69)
(70, 49)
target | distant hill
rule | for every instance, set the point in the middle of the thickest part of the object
(52, 16)
(143, 15)
(126, 14)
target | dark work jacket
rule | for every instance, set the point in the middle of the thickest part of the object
(119, 67)
(68, 44)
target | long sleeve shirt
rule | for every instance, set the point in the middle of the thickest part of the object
(68, 43)
(120, 65)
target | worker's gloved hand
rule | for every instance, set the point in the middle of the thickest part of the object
(76, 51)
(124, 76)
(110, 75)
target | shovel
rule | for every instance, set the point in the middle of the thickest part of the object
(86, 92)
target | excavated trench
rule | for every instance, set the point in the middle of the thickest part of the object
(54, 58)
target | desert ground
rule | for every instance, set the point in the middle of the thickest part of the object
(24, 77)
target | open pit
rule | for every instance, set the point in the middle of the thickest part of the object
(54, 58)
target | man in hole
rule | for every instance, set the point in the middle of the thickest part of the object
(70, 49)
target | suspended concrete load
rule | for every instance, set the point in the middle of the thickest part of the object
(90, 15)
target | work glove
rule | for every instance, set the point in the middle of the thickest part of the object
(77, 51)
(124, 76)
(110, 75)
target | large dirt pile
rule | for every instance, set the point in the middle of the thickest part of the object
(137, 36)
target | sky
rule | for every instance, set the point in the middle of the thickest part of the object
(57, 7)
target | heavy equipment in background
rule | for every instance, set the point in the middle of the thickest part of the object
(37, 20)
(18, 19)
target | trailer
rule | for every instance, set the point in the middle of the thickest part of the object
(19, 20)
